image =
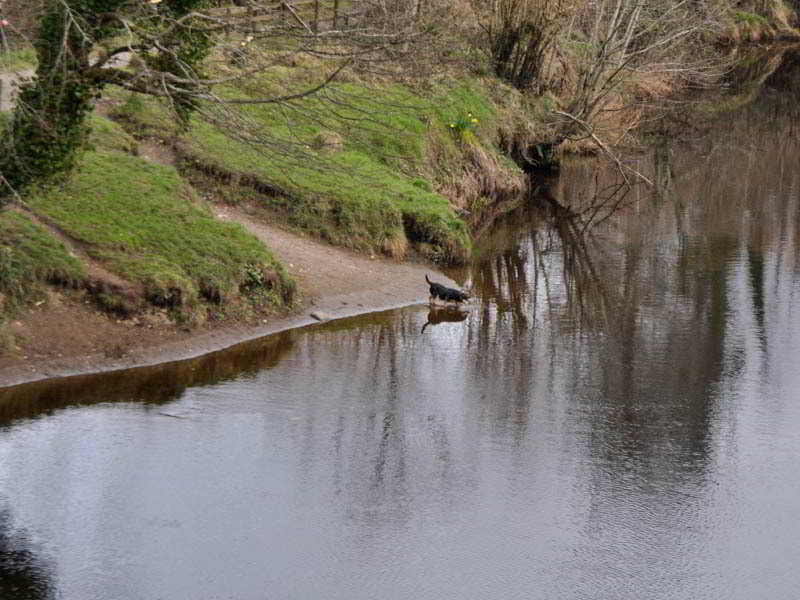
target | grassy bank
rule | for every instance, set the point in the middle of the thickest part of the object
(145, 226)
(379, 167)
(385, 159)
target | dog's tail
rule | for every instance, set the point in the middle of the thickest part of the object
(426, 278)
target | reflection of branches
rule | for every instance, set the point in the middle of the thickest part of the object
(584, 287)
(606, 201)
(517, 279)
(23, 574)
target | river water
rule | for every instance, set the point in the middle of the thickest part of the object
(616, 416)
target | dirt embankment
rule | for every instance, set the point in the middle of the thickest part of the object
(65, 335)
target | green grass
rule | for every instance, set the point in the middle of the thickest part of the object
(144, 115)
(350, 198)
(356, 164)
(29, 256)
(107, 135)
(17, 60)
(144, 223)
(375, 183)
(749, 18)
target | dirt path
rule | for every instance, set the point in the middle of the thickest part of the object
(7, 87)
(331, 278)
(8, 79)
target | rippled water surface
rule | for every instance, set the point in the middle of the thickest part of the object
(616, 416)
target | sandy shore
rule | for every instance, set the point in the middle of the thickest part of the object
(61, 338)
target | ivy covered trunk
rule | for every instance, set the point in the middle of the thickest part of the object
(48, 128)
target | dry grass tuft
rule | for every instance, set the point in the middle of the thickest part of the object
(396, 246)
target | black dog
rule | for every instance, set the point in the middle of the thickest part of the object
(445, 293)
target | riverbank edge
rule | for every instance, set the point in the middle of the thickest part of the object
(199, 342)
(405, 290)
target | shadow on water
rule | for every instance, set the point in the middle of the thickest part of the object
(154, 385)
(23, 574)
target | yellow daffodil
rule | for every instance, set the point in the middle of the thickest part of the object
(474, 120)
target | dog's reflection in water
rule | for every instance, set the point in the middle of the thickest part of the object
(448, 314)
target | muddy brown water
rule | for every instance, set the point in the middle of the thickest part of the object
(616, 416)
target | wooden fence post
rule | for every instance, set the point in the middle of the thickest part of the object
(335, 12)
(316, 16)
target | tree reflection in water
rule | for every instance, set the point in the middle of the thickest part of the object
(646, 285)
(625, 330)
(23, 574)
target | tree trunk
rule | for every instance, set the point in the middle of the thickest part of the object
(48, 128)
